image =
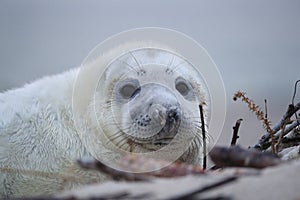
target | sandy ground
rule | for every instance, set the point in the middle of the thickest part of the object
(280, 182)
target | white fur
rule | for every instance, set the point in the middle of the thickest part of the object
(37, 133)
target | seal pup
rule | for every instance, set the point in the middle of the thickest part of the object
(145, 101)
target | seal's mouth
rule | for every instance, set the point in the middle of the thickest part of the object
(162, 142)
(154, 140)
(163, 138)
(157, 144)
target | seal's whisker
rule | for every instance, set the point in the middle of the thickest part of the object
(136, 60)
(123, 138)
(121, 143)
(175, 67)
(169, 66)
(118, 134)
(111, 123)
(115, 136)
(131, 67)
(171, 61)
(126, 141)
(197, 141)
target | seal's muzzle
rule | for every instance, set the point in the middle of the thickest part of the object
(156, 111)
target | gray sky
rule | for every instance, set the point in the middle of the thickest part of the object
(255, 44)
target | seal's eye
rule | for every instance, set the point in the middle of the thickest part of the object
(182, 88)
(127, 90)
(185, 88)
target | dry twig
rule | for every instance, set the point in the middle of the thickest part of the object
(235, 135)
(295, 91)
(266, 109)
(282, 125)
(203, 136)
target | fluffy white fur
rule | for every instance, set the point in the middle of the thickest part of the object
(37, 134)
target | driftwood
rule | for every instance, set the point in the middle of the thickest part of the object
(236, 156)
(264, 143)
(130, 163)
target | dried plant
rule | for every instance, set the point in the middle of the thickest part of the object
(259, 114)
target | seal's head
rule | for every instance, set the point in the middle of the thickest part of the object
(139, 93)
(152, 99)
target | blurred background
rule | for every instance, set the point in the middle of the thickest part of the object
(255, 44)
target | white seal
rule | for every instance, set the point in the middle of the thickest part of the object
(136, 93)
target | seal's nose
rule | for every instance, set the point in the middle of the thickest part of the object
(173, 119)
(159, 114)
(173, 113)
(168, 118)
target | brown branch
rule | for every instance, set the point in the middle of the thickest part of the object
(235, 135)
(235, 156)
(165, 169)
(132, 163)
(94, 164)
